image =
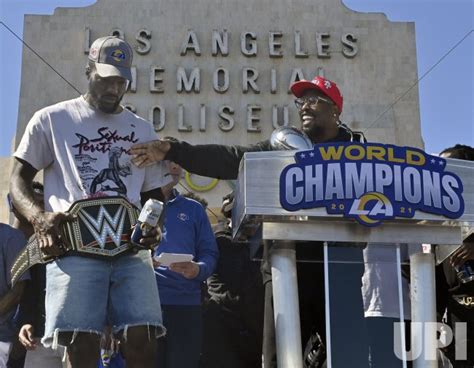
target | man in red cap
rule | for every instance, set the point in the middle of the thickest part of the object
(319, 103)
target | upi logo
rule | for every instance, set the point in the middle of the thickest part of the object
(431, 336)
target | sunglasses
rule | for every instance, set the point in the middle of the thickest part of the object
(311, 101)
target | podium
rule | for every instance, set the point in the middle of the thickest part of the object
(257, 204)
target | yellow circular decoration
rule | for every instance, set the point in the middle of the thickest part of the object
(199, 188)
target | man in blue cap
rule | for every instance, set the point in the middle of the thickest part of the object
(83, 147)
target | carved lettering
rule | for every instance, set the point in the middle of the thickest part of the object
(299, 53)
(252, 119)
(349, 42)
(273, 80)
(156, 80)
(202, 121)
(220, 80)
(227, 123)
(249, 78)
(248, 43)
(117, 32)
(191, 43)
(130, 107)
(191, 83)
(274, 45)
(182, 126)
(133, 84)
(296, 75)
(87, 40)
(157, 115)
(276, 122)
(143, 37)
(220, 43)
(320, 72)
(322, 44)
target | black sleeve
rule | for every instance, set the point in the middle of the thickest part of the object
(212, 160)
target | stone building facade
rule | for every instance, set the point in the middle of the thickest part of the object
(212, 71)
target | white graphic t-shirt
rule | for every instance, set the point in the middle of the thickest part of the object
(84, 154)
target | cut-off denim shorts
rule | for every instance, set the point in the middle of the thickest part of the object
(86, 294)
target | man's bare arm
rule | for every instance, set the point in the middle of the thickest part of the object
(22, 191)
(46, 224)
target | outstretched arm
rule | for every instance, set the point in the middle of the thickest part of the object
(211, 160)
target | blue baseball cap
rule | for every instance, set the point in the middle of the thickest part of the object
(112, 57)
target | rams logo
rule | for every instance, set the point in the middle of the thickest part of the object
(118, 55)
(371, 209)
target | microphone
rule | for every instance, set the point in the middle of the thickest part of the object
(148, 219)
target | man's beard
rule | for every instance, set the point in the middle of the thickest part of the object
(107, 107)
(102, 105)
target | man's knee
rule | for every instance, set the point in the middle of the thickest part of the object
(139, 345)
(81, 345)
(79, 339)
(139, 337)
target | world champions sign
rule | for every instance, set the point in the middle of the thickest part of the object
(371, 182)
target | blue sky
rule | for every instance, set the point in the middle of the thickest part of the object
(446, 93)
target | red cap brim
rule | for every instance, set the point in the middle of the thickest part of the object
(298, 88)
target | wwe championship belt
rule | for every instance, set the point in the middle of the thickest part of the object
(101, 228)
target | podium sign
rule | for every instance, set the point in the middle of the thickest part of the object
(439, 212)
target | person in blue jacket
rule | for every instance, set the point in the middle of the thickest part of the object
(186, 230)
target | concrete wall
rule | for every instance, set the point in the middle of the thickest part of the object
(378, 67)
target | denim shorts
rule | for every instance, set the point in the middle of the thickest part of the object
(86, 294)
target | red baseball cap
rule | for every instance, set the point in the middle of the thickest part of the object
(329, 88)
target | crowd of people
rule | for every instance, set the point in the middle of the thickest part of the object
(215, 310)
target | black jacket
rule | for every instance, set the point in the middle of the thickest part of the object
(222, 162)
